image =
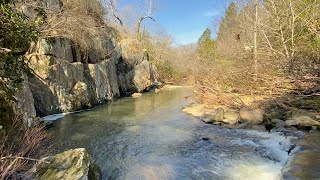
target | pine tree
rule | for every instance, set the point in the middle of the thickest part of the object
(206, 45)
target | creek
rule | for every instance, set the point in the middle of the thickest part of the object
(150, 138)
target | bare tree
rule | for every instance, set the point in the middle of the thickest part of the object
(283, 24)
(255, 42)
(149, 15)
(112, 4)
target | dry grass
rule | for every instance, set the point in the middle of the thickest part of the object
(19, 148)
(79, 20)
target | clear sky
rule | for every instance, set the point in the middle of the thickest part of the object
(186, 20)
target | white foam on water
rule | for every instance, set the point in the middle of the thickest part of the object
(54, 117)
(244, 142)
(254, 167)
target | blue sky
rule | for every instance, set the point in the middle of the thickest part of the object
(186, 20)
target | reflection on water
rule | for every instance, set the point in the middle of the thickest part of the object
(150, 138)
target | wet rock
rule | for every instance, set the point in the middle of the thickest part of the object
(302, 121)
(304, 161)
(258, 127)
(73, 164)
(252, 116)
(278, 123)
(136, 95)
(207, 118)
(205, 138)
(243, 126)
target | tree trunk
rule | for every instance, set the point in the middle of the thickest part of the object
(255, 43)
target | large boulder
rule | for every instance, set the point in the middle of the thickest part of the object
(252, 116)
(302, 121)
(135, 73)
(142, 78)
(73, 164)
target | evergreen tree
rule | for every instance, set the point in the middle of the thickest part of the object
(16, 34)
(206, 45)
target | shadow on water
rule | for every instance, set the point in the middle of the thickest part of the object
(150, 138)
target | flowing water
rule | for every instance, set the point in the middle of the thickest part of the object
(150, 138)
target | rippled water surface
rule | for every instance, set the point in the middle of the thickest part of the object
(150, 138)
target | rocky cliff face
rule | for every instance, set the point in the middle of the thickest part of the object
(70, 78)
(63, 82)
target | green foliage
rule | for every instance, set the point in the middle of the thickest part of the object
(206, 45)
(16, 34)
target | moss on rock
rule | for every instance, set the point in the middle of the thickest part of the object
(73, 164)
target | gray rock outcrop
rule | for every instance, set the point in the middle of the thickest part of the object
(63, 83)
(68, 77)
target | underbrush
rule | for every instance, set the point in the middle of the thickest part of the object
(19, 148)
(232, 84)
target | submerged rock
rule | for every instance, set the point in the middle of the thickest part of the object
(252, 116)
(278, 123)
(73, 164)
